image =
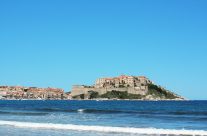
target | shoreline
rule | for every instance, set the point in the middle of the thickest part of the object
(92, 100)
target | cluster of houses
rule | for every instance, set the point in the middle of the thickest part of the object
(19, 92)
(122, 81)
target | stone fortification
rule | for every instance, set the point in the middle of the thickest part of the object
(123, 83)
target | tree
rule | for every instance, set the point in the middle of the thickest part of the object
(82, 96)
(93, 95)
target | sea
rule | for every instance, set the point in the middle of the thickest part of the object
(102, 118)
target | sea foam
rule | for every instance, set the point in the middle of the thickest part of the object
(147, 131)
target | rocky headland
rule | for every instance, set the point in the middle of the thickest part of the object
(123, 88)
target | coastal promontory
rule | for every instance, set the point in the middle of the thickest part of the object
(124, 87)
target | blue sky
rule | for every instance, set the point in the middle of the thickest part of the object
(61, 43)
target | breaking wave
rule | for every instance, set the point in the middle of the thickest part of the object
(122, 111)
(146, 131)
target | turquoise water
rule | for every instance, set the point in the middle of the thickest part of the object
(108, 118)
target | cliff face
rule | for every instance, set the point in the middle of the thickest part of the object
(19, 92)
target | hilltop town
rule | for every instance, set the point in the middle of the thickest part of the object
(121, 87)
